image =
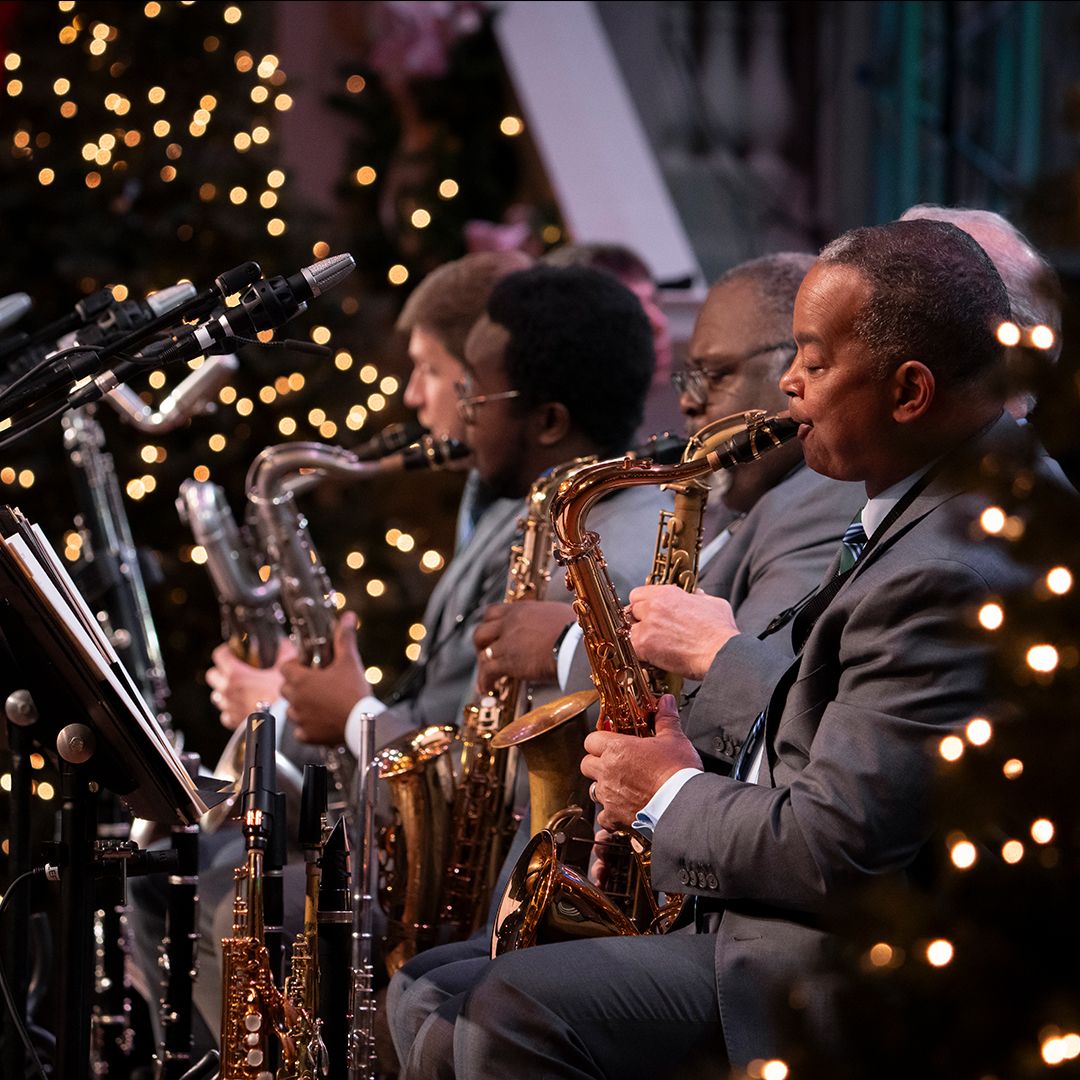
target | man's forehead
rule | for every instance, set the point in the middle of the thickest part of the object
(735, 321)
(833, 291)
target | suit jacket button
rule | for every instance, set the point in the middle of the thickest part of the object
(693, 879)
(712, 881)
(684, 877)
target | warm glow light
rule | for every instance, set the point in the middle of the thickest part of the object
(149, 454)
(12, 61)
(1042, 337)
(405, 543)
(343, 360)
(388, 384)
(1059, 580)
(238, 196)
(162, 128)
(881, 954)
(216, 443)
(951, 748)
(232, 14)
(275, 178)
(939, 952)
(135, 489)
(242, 141)
(45, 790)
(431, 560)
(356, 419)
(417, 631)
(201, 473)
(420, 219)
(354, 560)
(448, 188)
(369, 373)
(1042, 658)
(245, 406)
(412, 651)
(283, 102)
(320, 334)
(316, 417)
(355, 83)
(1042, 831)
(511, 125)
(260, 134)
(275, 226)
(774, 1070)
(375, 587)
(155, 95)
(963, 855)
(286, 425)
(991, 616)
(1012, 851)
(46, 177)
(7, 475)
(198, 554)
(157, 379)
(61, 87)
(374, 675)
(1013, 768)
(397, 274)
(26, 478)
(978, 731)
(992, 520)
(1008, 333)
(14, 87)
(376, 402)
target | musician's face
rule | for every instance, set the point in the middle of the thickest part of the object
(497, 430)
(844, 409)
(430, 390)
(737, 353)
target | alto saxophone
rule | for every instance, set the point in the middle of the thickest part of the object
(543, 895)
(481, 826)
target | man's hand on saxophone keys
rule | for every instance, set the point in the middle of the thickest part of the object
(320, 699)
(237, 689)
(678, 631)
(517, 640)
(628, 771)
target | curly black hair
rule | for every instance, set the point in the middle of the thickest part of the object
(579, 337)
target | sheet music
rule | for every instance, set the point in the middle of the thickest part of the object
(57, 593)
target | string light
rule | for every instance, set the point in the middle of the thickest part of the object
(963, 855)
(1042, 831)
(1012, 851)
(420, 219)
(1059, 580)
(939, 952)
(1042, 337)
(232, 14)
(365, 175)
(417, 632)
(343, 360)
(1042, 658)
(355, 83)
(978, 731)
(1008, 333)
(992, 520)
(354, 560)
(951, 748)
(375, 587)
(511, 126)
(1013, 768)
(448, 189)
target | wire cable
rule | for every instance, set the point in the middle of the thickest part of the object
(9, 998)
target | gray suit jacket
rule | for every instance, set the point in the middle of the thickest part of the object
(843, 797)
(777, 554)
(474, 578)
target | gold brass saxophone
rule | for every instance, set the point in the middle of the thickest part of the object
(481, 826)
(543, 896)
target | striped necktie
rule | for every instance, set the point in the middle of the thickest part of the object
(852, 544)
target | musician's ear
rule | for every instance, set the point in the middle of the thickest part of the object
(551, 423)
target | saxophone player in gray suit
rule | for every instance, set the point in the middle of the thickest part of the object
(897, 379)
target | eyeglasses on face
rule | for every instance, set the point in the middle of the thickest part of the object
(467, 403)
(698, 382)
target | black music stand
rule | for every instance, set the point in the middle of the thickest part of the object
(86, 714)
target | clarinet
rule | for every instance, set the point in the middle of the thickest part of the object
(177, 958)
(362, 1058)
(335, 943)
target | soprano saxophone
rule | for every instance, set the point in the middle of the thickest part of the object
(544, 898)
(481, 826)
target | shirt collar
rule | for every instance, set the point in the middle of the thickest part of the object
(876, 509)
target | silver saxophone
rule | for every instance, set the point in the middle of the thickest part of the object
(307, 596)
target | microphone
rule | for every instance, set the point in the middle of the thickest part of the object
(72, 362)
(188, 399)
(86, 310)
(266, 305)
(13, 307)
(121, 318)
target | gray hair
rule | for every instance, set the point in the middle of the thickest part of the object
(1035, 293)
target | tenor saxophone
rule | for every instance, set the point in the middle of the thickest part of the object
(481, 826)
(542, 894)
